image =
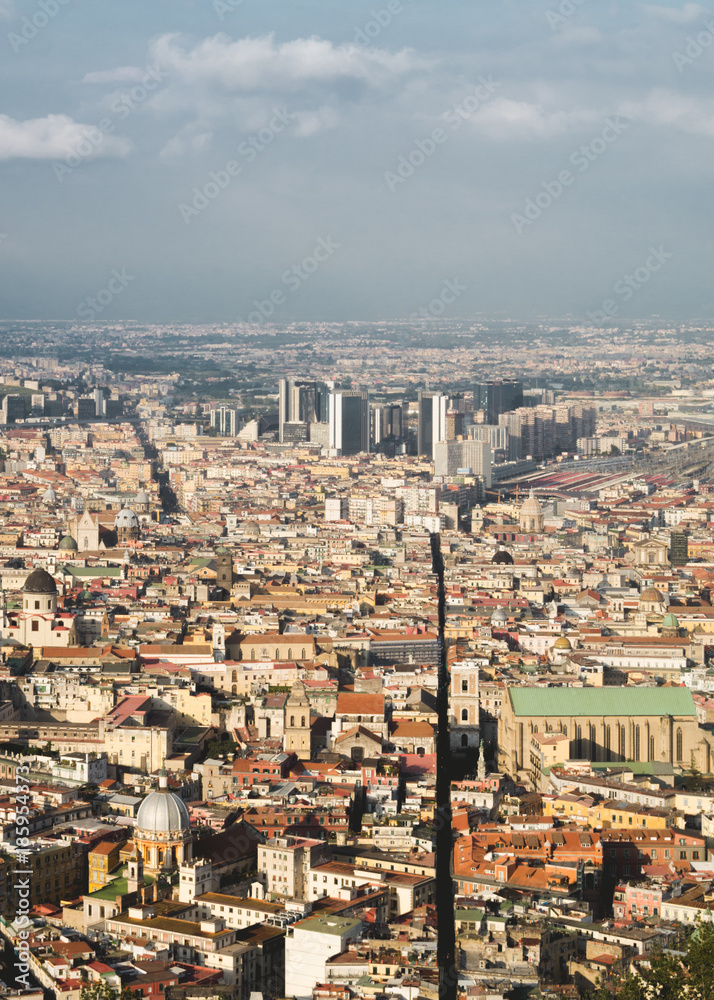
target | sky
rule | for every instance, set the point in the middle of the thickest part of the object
(221, 161)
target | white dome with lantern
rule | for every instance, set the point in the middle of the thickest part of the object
(163, 828)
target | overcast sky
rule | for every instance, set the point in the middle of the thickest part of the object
(184, 157)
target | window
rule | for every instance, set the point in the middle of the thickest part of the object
(679, 744)
(464, 715)
(37, 605)
(464, 686)
(35, 626)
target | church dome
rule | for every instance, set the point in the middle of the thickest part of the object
(502, 558)
(563, 643)
(68, 544)
(126, 519)
(39, 582)
(49, 496)
(251, 529)
(651, 596)
(531, 505)
(499, 615)
(142, 497)
(163, 814)
(670, 621)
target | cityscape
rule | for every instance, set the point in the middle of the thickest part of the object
(226, 644)
(356, 500)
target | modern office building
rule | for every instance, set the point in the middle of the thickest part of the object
(302, 401)
(454, 457)
(431, 421)
(497, 396)
(226, 421)
(349, 421)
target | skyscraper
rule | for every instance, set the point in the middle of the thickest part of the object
(431, 421)
(497, 396)
(225, 420)
(302, 401)
(452, 456)
(349, 421)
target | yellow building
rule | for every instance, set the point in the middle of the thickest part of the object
(103, 860)
(547, 750)
(623, 815)
(603, 814)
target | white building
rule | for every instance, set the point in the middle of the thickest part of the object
(308, 946)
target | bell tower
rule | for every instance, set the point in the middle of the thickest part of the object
(297, 737)
(464, 721)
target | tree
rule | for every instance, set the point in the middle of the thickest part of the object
(103, 991)
(670, 976)
(694, 780)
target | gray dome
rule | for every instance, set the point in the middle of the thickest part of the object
(49, 496)
(126, 518)
(142, 497)
(499, 615)
(68, 544)
(39, 582)
(163, 813)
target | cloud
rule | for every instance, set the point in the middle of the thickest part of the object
(312, 122)
(665, 109)
(505, 118)
(677, 15)
(259, 63)
(188, 141)
(7, 9)
(52, 137)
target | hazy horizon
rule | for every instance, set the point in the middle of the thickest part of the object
(228, 161)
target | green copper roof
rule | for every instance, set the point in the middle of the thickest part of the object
(601, 701)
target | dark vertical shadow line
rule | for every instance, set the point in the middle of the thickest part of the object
(446, 936)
